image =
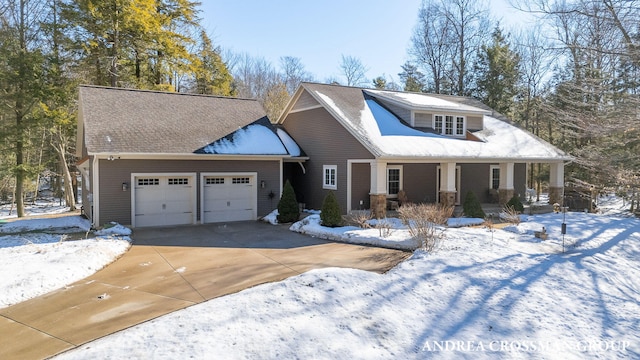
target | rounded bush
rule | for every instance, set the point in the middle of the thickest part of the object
(516, 204)
(331, 215)
(472, 207)
(288, 209)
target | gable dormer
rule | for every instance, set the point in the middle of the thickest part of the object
(443, 115)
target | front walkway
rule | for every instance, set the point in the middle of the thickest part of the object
(168, 269)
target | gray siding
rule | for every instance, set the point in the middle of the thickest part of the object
(115, 204)
(475, 177)
(419, 182)
(423, 120)
(474, 123)
(304, 101)
(401, 112)
(326, 142)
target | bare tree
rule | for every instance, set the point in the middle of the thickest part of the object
(432, 44)
(353, 70)
(446, 42)
(293, 73)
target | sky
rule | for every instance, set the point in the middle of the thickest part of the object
(377, 32)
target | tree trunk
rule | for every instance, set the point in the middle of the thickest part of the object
(61, 149)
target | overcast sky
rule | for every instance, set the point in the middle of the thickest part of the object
(318, 32)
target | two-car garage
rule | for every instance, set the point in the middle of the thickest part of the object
(172, 199)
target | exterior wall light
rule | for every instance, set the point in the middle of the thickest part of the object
(125, 186)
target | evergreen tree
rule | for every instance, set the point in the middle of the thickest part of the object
(515, 203)
(412, 78)
(211, 75)
(472, 207)
(331, 215)
(380, 83)
(22, 66)
(498, 73)
(288, 209)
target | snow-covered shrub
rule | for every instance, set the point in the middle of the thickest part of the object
(423, 221)
(384, 227)
(288, 209)
(331, 215)
(472, 207)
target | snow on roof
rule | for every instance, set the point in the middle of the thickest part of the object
(289, 143)
(254, 139)
(386, 136)
(425, 101)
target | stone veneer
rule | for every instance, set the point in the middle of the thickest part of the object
(504, 195)
(448, 198)
(555, 195)
(378, 205)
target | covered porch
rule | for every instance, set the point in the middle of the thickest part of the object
(495, 183)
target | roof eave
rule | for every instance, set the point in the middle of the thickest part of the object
(186, 156)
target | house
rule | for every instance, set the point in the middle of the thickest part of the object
(369, 145)
(154, 158)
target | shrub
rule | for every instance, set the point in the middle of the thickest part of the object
(331, 215)
(516, 204)
(509, 214)
(288, 209)
(422, 222)
(360, 218)
(471, 206)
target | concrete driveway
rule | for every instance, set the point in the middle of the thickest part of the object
(168, 269)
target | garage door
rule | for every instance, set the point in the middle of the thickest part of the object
(228, 198)
(164, 200)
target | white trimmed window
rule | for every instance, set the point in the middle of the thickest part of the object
(494, 180)
(394, 181)
(329, 177)
(460, 126)
(449, 125)
(437, 123)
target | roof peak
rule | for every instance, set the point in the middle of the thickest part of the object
(163, 92)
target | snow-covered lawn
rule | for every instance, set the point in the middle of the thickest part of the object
(484, 294)
(38, 255)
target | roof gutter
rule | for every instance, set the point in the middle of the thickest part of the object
(182, 156)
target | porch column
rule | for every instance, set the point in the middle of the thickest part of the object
(506, 189)
(556, 183)
(448, 184)
(378, 191)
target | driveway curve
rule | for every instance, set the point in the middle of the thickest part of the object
(168, 269)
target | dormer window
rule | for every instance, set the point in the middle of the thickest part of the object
(451, 125)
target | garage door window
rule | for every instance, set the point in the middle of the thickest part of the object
(212, 181)
(178, 181)
(242, 180)
(145, 182)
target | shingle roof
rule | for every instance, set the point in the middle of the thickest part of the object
(120, 120)
(368, 122)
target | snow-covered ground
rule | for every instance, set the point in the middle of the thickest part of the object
(484, 294)
(38, 255)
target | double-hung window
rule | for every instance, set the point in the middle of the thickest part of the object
(329, 180)
(448, 125)
(495, 177)
(394, 181)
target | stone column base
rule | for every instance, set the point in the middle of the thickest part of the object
(555, 195)
(448, 198)
(378, 205)
(504, 195)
